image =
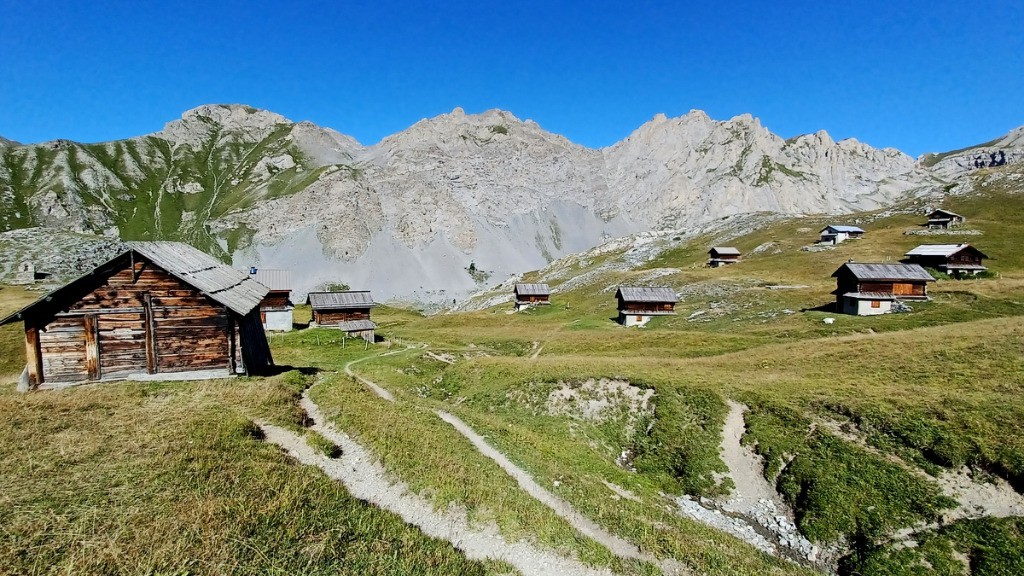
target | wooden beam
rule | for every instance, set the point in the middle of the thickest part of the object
(92, 347)
(34, 355)
(147, 307)
(232, 348)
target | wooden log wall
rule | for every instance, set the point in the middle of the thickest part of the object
(326, 317)
(277, 299)
(641, 307)
(141, 319)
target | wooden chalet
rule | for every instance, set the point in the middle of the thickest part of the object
(638, 304)
(839, 233)
(276, 307)
(953, 259)
(722, 255)
(869, 289)
(531, 295)
(348, 311)
(943, 219)
(158, 309)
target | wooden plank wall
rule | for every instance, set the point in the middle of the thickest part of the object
(62, 346)
(105, 333)
(325, 317)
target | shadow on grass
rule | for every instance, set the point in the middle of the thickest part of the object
(281, 369)
(829, 307)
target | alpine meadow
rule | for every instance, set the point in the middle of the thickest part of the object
(246, 345)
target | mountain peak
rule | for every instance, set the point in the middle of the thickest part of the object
(197, 124)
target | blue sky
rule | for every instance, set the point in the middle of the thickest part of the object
(919, 76)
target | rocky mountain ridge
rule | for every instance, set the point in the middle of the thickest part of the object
(434, 211)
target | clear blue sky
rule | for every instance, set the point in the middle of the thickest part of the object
(919, 76)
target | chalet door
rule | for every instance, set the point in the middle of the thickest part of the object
(62, 347)
(122, 344)
(189, 337)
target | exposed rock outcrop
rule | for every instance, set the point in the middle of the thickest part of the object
(406, 216)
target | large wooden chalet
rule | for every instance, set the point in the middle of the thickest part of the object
(158, 309)
(953, 259)
(638, 304)
(865, 289)
(531, 295)
(839, 233)
(348, 311)
(942, 219)
(276, 307)
(722, 255)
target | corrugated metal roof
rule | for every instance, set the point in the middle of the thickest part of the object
(356, 325)
(871, 271)
(870, 295)
(277, 280)
(941, 250)
(646, 294)
(724, 251)
(340, 300)
(533, 290)
(842, 228)
(222, 283)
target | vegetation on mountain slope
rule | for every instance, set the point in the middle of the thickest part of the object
(927, 392)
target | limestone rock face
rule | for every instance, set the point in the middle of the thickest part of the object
(1008, 149)
(406, 217)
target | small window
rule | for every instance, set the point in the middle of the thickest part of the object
(876, 304)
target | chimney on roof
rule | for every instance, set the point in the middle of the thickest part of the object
(850, 261)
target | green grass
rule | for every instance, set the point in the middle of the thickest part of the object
(935, 389)
(172, 478)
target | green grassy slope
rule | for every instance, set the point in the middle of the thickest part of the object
(925, 392)
(148, 188)
(937, 388)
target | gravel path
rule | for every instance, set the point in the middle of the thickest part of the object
(383, 393)
(754, 512)
(584, 525)
(745, 467)
(366, 479)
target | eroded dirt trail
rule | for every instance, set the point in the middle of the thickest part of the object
(581, 523)
(754, 511)
(745, 467)
(366, 479)
(976, 498)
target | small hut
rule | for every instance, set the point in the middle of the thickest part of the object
(158, 309)
(26, 274)
(944, 219)
(868, 289)
(638, 304)
(276, 307)
(531, 295)
(347, 311)
(839, 233)
(723, 255)
(953, 259)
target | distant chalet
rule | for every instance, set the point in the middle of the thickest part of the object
(160, 308)
(531, 295)
(638, 304)
(944, 219)
(869, 289)
(276, 307)
(722, 255)
(953, 259)
(348, 311)
(839, 233)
